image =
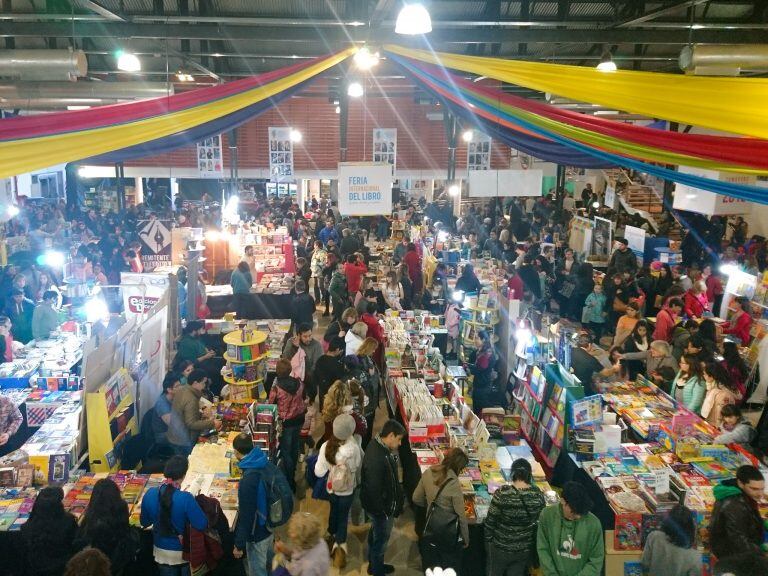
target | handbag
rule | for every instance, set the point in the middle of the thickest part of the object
(441, 528)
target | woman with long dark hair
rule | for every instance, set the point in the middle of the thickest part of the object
(637, 341)
(440, 485)
(661, 286)
(483, 361)
(168, 509)
(48, 535)
(688, 387)
(735, 366)
(105, 526)
(721, 391)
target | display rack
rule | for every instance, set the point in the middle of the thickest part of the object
(111, 417)
(246, 366)
(480, 313)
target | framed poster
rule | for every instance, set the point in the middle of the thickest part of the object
(210, 163)
(601, 239)
(479, 152)
(280, 153)
(385, 145)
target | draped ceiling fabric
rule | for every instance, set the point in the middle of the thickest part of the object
(121, 132)
(471, 102)
(33, 142)
(736, 105)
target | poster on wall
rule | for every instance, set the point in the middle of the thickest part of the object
(479, 152)
(365, 189)
(141, 292)
(491, 183)
(280, 153)
(210, 163)
(636, 241)
(601, 239)
(156, 243)
(385, 146)
(610, 197)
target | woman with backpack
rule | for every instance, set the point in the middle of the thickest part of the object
(168, 509)
(341, 458)
(512, 522)
(288, 393)
(439, 487)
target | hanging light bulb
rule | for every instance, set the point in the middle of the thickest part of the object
(606, 63)
(467, 136)
(454, 190)
(365, 59)
(296, 136)
(338, 109)
(128, 62)
(413, 19)
(355, 90)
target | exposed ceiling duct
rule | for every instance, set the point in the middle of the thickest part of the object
(58, 95)
(43, 64)
(723, 59)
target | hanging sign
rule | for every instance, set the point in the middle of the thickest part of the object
(141, 292)
(479, 152)
(280, 154)
(209, 158)
(491, 183)
(365, 189)
(385, 146)
(610, 197)
(709, 203)
(156, 243)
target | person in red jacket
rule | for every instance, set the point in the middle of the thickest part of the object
(740, 324)
(696, 302)
(413, 260)
(354, 270)
(376, 332)
(666, 320)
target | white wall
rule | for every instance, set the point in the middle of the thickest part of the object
(24, 186)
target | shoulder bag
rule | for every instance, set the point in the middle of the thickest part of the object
(441, 528)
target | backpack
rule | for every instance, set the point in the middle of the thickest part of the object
(340, 479)
(279, 497)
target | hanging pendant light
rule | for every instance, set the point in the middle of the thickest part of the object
(606, 63)
(413, 19)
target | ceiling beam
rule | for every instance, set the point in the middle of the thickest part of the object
(100, 10)
(659, 12)
(346, 36)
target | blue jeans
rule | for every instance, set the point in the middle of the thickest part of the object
(259, 556)
(339, 518)
(177, 570)
(378, 538)
(289, 448)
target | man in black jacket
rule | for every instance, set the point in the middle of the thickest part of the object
(736, 523)
(303, 306)
(381, 493)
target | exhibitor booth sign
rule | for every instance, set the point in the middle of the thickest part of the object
(365, 189)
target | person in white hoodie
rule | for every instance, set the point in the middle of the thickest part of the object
(341, 458)
(355, 337)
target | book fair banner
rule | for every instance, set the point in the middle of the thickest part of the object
(365, 189)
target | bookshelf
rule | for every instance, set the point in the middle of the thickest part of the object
(111, 418)
(480, 313)
(246, 357)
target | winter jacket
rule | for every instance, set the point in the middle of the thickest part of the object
(240, 282)
(44, 321)
(303, 309)
(353, 342)
(512, 519)
(680, 338)
(713, 404)
(622, 261)
(695, 305)
(47, 545)
(569, 547)
(317, 264)
(313, 562)
(202, 548)
(736, 525)
(381, 492)
(252, 500)
(186, 422)
(288, 394)
(743, 434)
(665, 324)
(327, 370)
(692, 394)
(338, 287)
(741, 328)
(594, 306)
(358, 367)
(662, 558)
(184, 510)
(313, 350)
(349, 454)
(450, 498)
(354, 274)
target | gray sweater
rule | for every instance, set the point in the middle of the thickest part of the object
(450, 497)
(662, 558)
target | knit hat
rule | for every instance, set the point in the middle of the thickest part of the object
(343, 426)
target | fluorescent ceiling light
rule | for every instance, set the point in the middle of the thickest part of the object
(355, 90)
(413, 19)
(77, 107)
(128, 62)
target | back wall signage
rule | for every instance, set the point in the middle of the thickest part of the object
(365, 189)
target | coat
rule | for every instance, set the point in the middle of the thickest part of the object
(736, 525)
(288, 394)
(622, 261)
(186, 422)
(451, 496)
(380, 491)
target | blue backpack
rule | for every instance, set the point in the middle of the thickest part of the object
(279, 497)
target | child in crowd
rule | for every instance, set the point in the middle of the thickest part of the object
(734, 428)
(593, 314)
(306, 553)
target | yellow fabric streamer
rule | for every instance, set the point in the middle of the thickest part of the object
(736, 105)
(19, 157)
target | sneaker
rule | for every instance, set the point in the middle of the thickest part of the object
(388, 569)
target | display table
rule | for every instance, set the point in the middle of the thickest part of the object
(263, 305)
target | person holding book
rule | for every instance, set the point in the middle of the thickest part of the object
(511, 524)
(671, 551)
(187, 422)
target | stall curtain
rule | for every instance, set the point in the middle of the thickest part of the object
(33, 142)
(735, 105)
(470, 106)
